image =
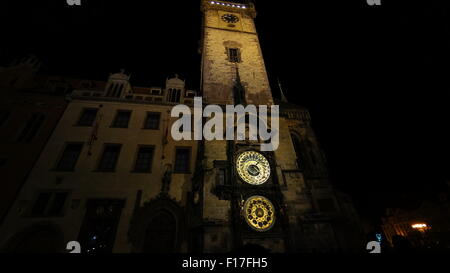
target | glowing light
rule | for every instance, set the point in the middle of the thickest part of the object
(419, 226)
(228, 5)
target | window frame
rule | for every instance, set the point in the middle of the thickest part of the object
(113, 125)
(234, 58)
(81, 115)
(100, 160)
(49, 204)
(148, 113)
(57, 168)
(188, 171)
(139, 147)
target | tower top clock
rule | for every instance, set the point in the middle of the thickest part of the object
(232, 6)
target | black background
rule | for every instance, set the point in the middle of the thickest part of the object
(375, 78)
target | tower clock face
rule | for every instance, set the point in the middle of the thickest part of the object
(253, 168)
(230, 18)
(259, 213)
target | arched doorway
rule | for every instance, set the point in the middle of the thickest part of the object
(160, 236)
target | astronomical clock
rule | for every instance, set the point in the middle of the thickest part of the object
(257, 192)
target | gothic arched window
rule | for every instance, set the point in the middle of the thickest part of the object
(298, 150)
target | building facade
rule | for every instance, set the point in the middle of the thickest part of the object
(30, 107)
(112, 177)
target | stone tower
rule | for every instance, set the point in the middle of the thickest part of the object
(280, 200)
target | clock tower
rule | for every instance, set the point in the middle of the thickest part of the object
(240, 198)
(281, 200)
(230, 50)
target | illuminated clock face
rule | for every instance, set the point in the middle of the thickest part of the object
(253, 168)
(259, 213)
(230, 18)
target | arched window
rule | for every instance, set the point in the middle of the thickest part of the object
(119, 92)
(298, 151)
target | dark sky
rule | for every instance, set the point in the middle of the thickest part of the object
(374, 78)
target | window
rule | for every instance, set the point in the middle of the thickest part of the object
(122, 119)
(182, 158)
(234, 55)
(49, 204)
(69, 157)
(4, 116)
(298, 151)
(87, 117)
(152, 120)
(156, 92)
(109, 157)
(221, 176)
(174, 95)
(144, 159)
(31, 128)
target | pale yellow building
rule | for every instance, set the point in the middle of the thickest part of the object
(129, 126)
(112, 178)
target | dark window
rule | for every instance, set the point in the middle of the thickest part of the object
(49, 204)
(221, 176)
(122, 119)
(87, 117)
(31, 128)
(4, 116)
(152, 121)
(234, 55)
(109, 158)
(182, 158)
(156, 92)
(41, 204)
(297, 149)
(144, 159)
(69, 157)
(174, 95)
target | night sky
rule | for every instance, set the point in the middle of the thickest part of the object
(376, 79)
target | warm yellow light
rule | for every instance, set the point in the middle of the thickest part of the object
(419, 226)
